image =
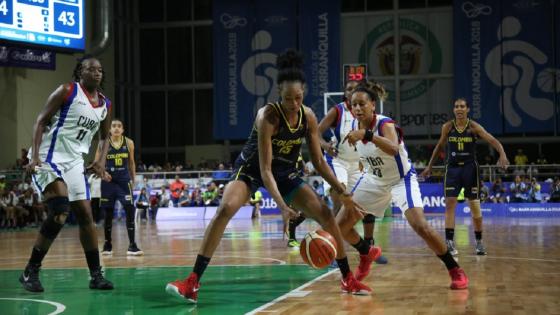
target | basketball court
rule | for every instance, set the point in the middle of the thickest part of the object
(254, 272)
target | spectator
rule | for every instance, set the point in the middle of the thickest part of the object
(318, 187)
(541, 160)
(176, 187)
(9, 201)
(210, 196)
(196, 198)
(536, 195)
(164, 197)
(144, 184)
(484, 193)
(142, 202)
(141, 167)
(517, 190)
(2, 182)
(498, 191)
(221, 176)
(185, 199)
(23, 157)
(555, 191)
(520, 159)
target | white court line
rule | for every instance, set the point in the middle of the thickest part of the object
(280, 298)
(59, 307)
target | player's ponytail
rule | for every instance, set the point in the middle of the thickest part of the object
(290, 64)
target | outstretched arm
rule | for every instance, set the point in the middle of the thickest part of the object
(482, 133)
(439, 146)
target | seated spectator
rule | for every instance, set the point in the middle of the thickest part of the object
(542, 160)
(163, 197)
(142, 203)
(221, 175)
(2, 182)
(9, 202)
(154, 206)
(210, 196)
(185, 200)
(141, 167)
(196, 198)
(498, 191)
(484, 193)
(518, 190)
(555, 191)
(535, 192)
(176, 187)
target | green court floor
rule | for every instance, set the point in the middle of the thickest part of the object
(224, 290)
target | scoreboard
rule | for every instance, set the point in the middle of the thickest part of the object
(52, 23)
(353, 72)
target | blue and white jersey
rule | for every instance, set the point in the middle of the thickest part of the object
(71, 129)
(345, 117)
(385, 168)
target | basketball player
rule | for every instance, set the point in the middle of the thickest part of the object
(388, 175)
(344, 159)
(268, 159)
(461, 169)
(61, 135)
(122, 170)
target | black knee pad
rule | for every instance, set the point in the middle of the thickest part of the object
(369, 218)
(56, 206)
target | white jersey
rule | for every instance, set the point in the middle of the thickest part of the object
(71, 129)
(345, 117)
(387, 169)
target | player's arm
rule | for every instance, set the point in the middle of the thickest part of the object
(98, 165)
(131, 161)
(54, 103)
(327, 122)
(389, 142)
(313, 142)
(266, 122)
(445, 128)
(483, 134)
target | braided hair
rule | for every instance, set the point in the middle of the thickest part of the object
(78, 69)
(290, 64)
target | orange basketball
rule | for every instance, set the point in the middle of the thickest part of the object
(318, 249)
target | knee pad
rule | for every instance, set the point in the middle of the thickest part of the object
(369, 218)
(475, 208)
(58, 208)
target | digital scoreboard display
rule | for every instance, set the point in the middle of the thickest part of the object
(353, 72)
(52, 23)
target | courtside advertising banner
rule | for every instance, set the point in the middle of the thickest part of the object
(504, 63)
(319, 39)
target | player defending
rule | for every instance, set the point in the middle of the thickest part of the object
(461, 169)
(122, 170)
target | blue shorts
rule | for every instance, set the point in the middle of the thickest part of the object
(288, 180)
(113, 191)
(462, 176)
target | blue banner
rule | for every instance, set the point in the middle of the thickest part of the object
(248, 36)
(27, 58)
(233, 30)
(505, 65)
(319, 40)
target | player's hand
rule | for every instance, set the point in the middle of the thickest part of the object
(287, 214)
(107, 177)
(351, 206)
(425, 173)
(97, 169)
(354, 136)
(30, 168)
(503, 162)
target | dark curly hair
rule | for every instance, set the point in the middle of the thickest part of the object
(290, 65)
(78, 69)
(375, 90)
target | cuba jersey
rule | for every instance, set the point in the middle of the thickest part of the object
(387, 169)
(117, 160)
(71, 129)
(286, 144)
(461, 145)
(344, 121)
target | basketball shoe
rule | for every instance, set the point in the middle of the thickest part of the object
(459, 280)
(107, 248)
(451, 247)
(133, 250)
(365, 262)
(30, 278)
(98, 281)
(351, 285)
(293, 243)
(479, 248)
(185, 289)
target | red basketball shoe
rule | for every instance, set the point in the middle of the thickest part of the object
(365, 262)
(185, 289)
(459, 280)
(353, 286)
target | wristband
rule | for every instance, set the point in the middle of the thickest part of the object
(368, 136)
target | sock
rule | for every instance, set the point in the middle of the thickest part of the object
(92, 257)
(292, 230)
(129, 209)
(37, 256)
(362, 246)
(343, 266)
(449, 234)
(370, 240)
(200, 265)
(478, 235)
(108, 226)
(448, 260)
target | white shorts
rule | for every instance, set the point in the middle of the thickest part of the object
(375, 198)
(346, 172)
(74, 178)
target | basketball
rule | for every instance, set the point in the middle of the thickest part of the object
(318, 249)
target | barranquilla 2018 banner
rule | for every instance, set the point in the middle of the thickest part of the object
(505, 65)
(249, 35)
